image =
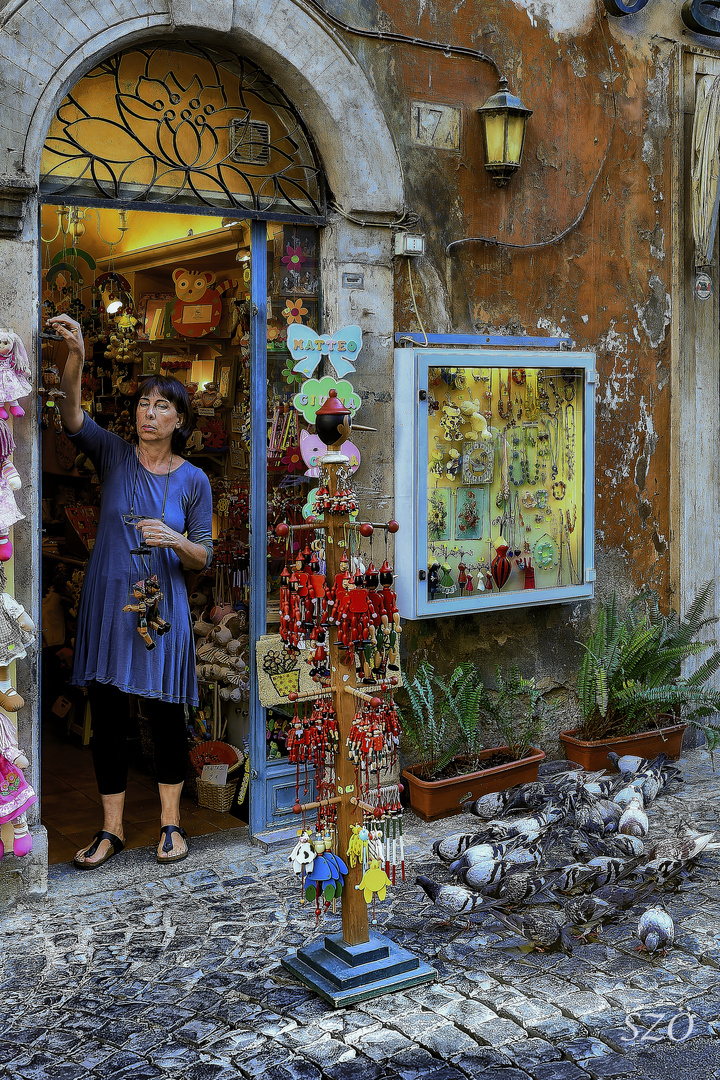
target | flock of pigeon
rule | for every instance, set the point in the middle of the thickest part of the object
(568, 851)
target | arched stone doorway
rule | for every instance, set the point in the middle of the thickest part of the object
(338, 105)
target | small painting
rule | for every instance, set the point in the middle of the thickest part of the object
(439, 514)
(468, 513)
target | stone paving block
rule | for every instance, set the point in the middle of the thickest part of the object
(360, 1068)
(583, 1003)
(197, 1031)
(468, 1015)
(610, 1067)
(508, 1073)
(580, 1049)
(522, 1011)
(528, 1053)
(556, 1029)
(256, 1064)
(434, 996)
(414, 1064)
(324, 1052)
(500, 1032)
(295, 1070)
(388, 1006)
(473, 1065)
(381, 1044)
(446, 1041)
(413, 1024)
(204, 1070)
(559, 1070)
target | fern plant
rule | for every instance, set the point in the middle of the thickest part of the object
(631, 673)
(515, 713)
(425, 718)
(463, 694)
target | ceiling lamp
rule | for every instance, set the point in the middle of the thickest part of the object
(504, 120)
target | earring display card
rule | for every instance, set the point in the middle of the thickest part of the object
(499, 513)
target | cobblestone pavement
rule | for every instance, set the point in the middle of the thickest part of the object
(158, 974)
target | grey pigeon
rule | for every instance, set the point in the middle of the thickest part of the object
(539, 928)
(449, 848)
(656, 929)
(453, 900)
(482, 874)
(520, 887)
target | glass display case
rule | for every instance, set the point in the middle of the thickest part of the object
(494, 478)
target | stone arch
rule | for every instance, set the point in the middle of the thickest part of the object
(306, 57)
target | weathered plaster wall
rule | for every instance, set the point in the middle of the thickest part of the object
(601, 134)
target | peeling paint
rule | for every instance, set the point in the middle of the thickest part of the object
(562, 17)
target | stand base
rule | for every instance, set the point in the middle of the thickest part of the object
(345, 974)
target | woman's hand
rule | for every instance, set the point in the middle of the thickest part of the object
(71, 333)
(156, 533)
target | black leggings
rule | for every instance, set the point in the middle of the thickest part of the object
(110, 710)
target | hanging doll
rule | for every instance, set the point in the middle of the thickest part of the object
(147, 596)
(16, 795)
(9, 482)
(17, 631)
(14, 374)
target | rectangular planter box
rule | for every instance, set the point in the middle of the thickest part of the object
(592, 755)
(433, 799)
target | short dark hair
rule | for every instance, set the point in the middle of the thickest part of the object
(176, 392)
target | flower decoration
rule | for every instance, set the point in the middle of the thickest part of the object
(292, 460)
(294, 258)
(272, 332)
(291, 376)
(294, 311)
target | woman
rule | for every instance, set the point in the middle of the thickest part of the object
(135, 637)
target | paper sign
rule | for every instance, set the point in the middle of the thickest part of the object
(215, 774)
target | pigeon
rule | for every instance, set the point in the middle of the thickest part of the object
(656, 929)
(449, 848)
(480, 875)
(669, 857)
(627, 794)
(572, 877)
(587, 815)
(489, 806)
(520, 887)
(611, 814)
(621, 897)
(628, 764)
(529, 827)
(478, 853)
(587, 911)
(539, 928)
(606, 871)
(634, 821)
(453, 899)
(618, 846)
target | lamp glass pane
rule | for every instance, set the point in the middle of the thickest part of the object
(494, 136)
(515, 135)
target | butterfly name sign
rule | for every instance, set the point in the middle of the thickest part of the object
(307, 348)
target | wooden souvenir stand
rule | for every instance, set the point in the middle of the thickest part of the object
(357, 964)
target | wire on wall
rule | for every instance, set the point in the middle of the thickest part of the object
(412, 293)
(496, 242)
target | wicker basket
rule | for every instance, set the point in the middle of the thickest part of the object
(220, 796)
(216, 796)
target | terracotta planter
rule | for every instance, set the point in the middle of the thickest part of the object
(592, 755)
(433, 799)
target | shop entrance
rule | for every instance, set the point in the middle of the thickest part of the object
(123, 266)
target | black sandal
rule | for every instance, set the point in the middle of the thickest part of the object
(116, 846)
(168, 830)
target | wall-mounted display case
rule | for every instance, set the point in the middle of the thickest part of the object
(494, 478)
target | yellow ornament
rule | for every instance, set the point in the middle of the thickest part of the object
(375, 880)
(355, 847)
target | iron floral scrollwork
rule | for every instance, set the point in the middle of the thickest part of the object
(156, 124)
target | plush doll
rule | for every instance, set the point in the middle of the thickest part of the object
(16, 795)
(14, 374)
(17, 631)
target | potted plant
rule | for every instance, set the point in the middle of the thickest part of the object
(469, 740)
(633, 696)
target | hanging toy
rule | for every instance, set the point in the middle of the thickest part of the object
(374, 884)
(147, 597)
(357, 848)
(16, 795)
(14, 374)
(17, 632)
(501, 566)
(9, 483)
(302, 856)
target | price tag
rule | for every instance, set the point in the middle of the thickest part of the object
(215, 774)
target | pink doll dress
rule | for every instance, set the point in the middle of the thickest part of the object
(16, 795)
(12, 383)
(9, 512)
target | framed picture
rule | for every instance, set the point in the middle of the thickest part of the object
(225, 376)
(151, 363)
(151, 315)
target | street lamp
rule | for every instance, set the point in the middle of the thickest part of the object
(504, 120)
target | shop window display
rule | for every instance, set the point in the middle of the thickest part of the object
(498, 512)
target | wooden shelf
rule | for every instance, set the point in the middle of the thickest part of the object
(173, 253)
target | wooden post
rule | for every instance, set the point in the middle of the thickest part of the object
(354, 909)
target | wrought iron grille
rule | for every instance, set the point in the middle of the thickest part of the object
(164, 125)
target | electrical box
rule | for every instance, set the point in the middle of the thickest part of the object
(494, 479)
(409, 244)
